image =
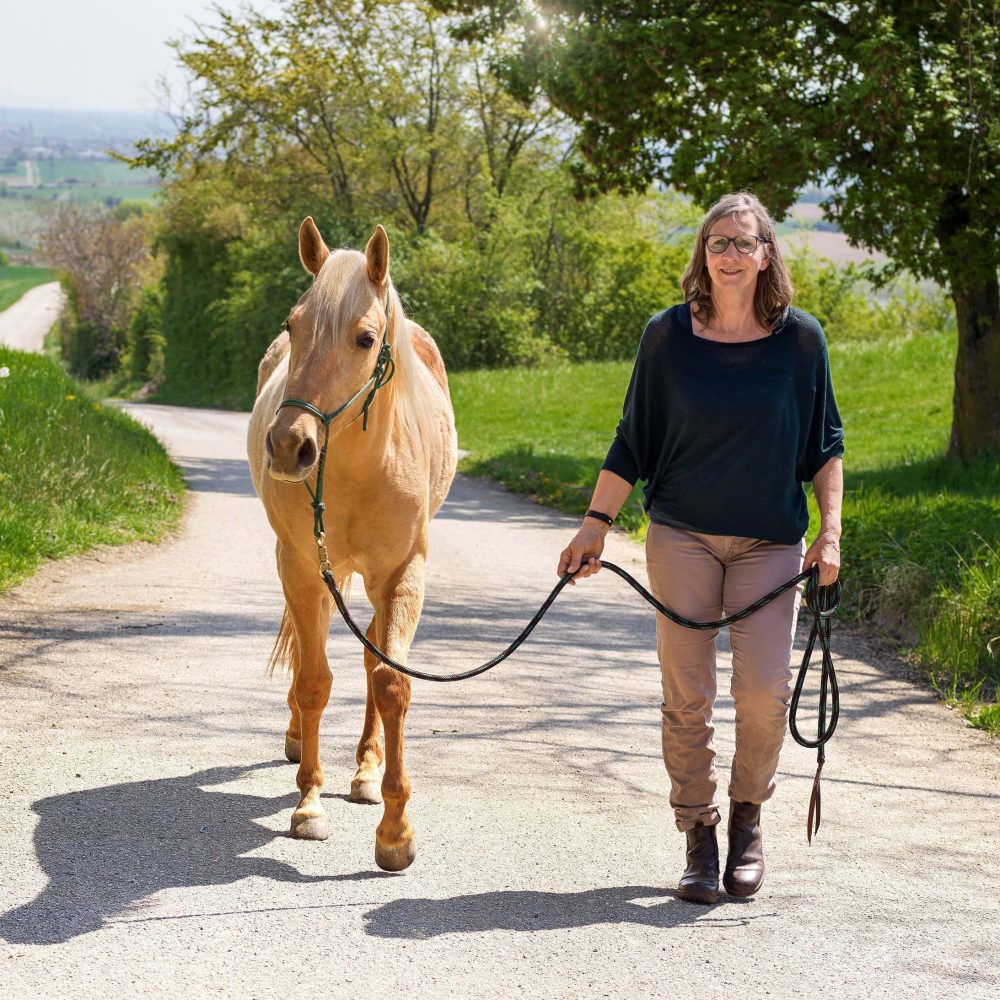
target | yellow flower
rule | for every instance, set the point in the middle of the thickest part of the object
(97, 407)
(70, 396)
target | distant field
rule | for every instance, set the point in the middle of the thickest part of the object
(104, 173)
(17, 172)
(832, 245)
(15, 281)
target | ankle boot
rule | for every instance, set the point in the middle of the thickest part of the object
(700, 881)
(745, 861)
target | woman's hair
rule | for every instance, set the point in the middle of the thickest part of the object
(774, 287)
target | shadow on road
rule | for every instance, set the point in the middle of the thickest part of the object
(107, 849)
(545, 911)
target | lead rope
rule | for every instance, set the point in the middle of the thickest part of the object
(822, 603)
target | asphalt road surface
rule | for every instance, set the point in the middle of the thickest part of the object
(146, 799)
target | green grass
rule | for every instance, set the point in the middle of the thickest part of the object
(921, 532)
(68, 170)
(73, 473)
(16, 280)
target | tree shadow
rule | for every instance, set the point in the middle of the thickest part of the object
(105, 850)
(542, 911)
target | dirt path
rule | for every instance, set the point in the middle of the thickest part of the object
(146, 798)
(25, 324)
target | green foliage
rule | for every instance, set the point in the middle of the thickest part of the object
(842, 299)
(4, 259)
(73, 474)
(892, 106)
(145, 341)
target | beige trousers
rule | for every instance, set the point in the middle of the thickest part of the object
(705, 577)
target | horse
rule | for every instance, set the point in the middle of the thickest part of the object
(390, 464)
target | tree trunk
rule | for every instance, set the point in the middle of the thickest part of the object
(975, 423)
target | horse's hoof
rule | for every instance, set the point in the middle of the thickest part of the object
(310, 827)
(395, 859)
(366, 790)
(293, 749)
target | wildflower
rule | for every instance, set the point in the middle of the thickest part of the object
(4, 372)
(70, 396)
(97, 407)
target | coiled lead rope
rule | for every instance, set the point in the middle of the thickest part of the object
(822, 603)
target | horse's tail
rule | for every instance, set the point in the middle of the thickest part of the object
(284, 646)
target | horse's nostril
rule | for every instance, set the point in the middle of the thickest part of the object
(307, 454)
(268, 445)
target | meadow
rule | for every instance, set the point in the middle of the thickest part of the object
(16, 280)
(74, 473)
(921, 532)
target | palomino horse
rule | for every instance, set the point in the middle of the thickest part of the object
(382, 486)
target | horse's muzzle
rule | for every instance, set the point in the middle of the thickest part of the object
(292, 459)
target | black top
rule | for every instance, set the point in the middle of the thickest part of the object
(725, 434)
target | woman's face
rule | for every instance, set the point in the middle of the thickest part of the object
(732, 269)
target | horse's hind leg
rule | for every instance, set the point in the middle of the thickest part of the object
(310, 609)
(365, 786)
(397, 613)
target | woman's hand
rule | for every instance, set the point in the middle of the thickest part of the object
(825, 552)
(583, 553)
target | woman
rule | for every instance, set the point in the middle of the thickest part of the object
(729, 410)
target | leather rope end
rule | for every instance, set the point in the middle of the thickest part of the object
(814, 806)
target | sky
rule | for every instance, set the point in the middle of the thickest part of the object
(97, 55)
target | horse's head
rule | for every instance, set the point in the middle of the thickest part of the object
(335, 332)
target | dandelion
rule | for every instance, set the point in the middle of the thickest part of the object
(70, 396)
(97, 407)
(4, 372)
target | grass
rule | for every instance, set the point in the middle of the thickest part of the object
(16, 280)
(921, 532)
(73, 473)
(85, 170)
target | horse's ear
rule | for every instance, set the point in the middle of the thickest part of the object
(377, 255)
(312, 250)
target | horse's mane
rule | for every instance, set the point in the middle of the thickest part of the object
(342, 292)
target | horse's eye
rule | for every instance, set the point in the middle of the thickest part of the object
(366, 340)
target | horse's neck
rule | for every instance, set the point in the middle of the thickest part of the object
(356, 449)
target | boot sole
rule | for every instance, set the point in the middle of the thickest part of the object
(698, 896)
(741, 892)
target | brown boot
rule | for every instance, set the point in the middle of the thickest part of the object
(700, 881)
(744, 873)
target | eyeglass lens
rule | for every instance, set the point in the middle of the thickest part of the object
(745, 244)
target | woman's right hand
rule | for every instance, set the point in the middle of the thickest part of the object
(582, 555)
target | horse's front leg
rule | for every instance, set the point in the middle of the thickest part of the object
(309, 606)
(370, 755)
(397, 612)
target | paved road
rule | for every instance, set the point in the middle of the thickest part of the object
(146, 798)
(25, 324)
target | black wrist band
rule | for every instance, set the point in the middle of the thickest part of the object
(600, 517)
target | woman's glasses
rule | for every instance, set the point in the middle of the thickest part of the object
(744, 244)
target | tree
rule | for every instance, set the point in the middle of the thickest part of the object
(370, 107)
(889, 103)
(104, 256)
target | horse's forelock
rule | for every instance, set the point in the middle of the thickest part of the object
(341, 292)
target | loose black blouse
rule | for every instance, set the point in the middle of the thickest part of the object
(724, 435)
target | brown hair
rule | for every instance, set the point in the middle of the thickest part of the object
(774, 287)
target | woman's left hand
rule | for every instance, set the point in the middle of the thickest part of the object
(825, 552)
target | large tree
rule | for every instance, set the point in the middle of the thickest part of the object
(892, 104)
(369, 106)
